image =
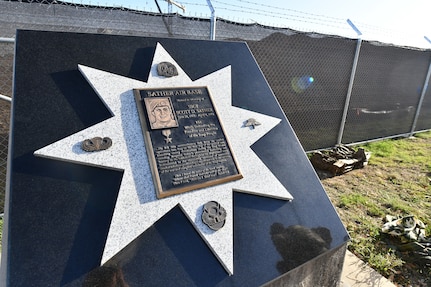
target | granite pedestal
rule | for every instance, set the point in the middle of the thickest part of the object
(60, 212)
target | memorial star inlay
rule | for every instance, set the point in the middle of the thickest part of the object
(137, 207)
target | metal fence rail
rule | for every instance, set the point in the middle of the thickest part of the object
(6, 63)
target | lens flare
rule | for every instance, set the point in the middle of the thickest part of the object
(300, 84)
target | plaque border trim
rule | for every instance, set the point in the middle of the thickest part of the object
(150, 151)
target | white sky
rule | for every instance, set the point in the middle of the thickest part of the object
(398, 22)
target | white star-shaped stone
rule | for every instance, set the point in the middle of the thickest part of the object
(137, 207)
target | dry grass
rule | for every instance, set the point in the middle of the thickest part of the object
(396, 182)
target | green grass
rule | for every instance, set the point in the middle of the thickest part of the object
(407, 151)
(360, 201)
(395, 182)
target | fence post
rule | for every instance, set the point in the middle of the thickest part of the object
(213, 20)
(352, 79)
(418, 109)
(168, 27)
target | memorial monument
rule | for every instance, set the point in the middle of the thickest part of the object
(158, 162)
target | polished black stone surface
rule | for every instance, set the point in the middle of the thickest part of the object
(59, 213)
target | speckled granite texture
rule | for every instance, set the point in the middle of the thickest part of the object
(137, 206)
(59, 213)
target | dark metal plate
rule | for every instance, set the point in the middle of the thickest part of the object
(185, 141)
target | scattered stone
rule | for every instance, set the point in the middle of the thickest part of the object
(340, 159)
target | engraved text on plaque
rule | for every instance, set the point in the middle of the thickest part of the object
(186, 144)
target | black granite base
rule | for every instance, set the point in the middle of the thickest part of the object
(58, 214)
(324, 270)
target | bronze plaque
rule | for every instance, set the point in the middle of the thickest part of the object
(186, 145)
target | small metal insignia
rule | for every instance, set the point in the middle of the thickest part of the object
(166, 69)
(96, 144)
(167, 135)
(252, 123)
(214, 215)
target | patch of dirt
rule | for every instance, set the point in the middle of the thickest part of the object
(389, 190)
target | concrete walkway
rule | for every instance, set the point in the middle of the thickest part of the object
(357, 273)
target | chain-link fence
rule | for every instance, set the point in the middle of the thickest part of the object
(4, 137)
(310, 77)
(310, 74)
(385, 98)
(6, 63)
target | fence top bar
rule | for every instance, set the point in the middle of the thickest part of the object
(7, 40)
(5, 98)
(359, 33)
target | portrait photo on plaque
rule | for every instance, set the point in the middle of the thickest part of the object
(161, 113)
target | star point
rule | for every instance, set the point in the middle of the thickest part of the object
(137, 207)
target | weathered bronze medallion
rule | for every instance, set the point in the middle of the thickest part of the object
(214, 215)
(96, 144)
(251, 123)
(166, 69)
